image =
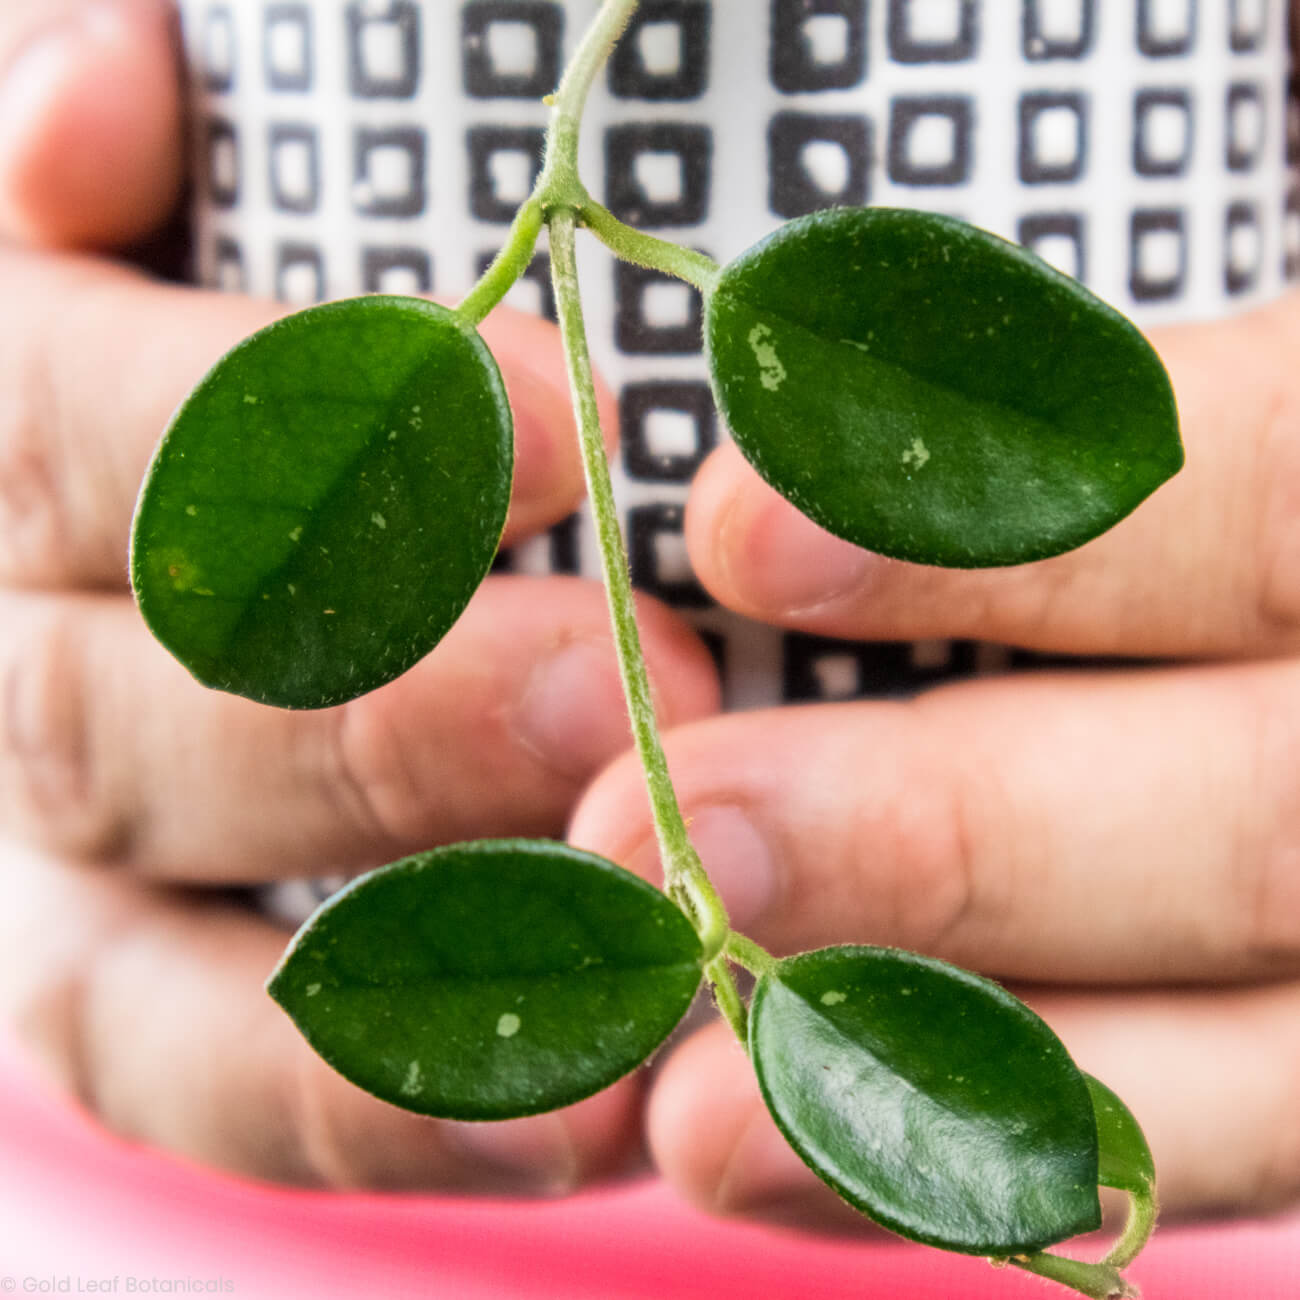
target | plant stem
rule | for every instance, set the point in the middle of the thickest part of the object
(1098, 1281)
(684, 877)
(745, 952)
(727, 995)
(1142, 1212)
(508, 265)
(632, 245)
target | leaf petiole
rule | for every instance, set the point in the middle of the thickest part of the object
(632, 245)
(506, 268)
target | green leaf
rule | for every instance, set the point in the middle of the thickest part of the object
(929, 1098)
(326, 501)
(490, 980)
(1125, 1157)
(933, 393)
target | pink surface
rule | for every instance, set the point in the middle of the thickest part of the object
(82, 1214)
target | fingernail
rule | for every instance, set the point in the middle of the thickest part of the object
(571, 714)
(530, 1155)
(737, 859)
(778, 561)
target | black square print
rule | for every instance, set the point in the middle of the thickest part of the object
(388, 171)
(293, 161)
(817, 161)
(932, 31)
(664, 54)
(1162, 132)
(532, 292)
(656, 548)
(383, 50)
(511, 49)
(667, 427)
(287, 47)
(299, 274)
(1244, 115)
(1058, 238)
(1291, 235)
(221, 162)
(504, 162)
(818, 44)
(1166, 28)
(657, 174)
(930, 140)
(405, 271)
(1242, 248)
(1057, 29)
(818, 668)
(1247, 24)
(1157, 254)
(228, 271)
(218, 49)
(1053, 136)
(655, 313)
(564, 543)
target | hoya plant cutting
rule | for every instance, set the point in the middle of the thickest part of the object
(327, 500)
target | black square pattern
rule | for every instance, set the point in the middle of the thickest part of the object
(293, 161)
(221, 163)
(388, 171)
(1053, 136)
(504, 162)
(1058, 238)
(817, 668)
(1247, 24)
(1157, 253)
(817, 161)
(218, 50)
(532, 292)
(930, 140)
(657, 173)
(1242, 247)
(1244, 134)
(1162, 132)
(657, 556)
(818, 44)
(654, 313)
(405, 271)
(384, 50)
(299, 273)
(667, 428)
(1057, 29)
(932, 31)
(287, 52)
(665, 53)
(1166, 28)
(512, 49)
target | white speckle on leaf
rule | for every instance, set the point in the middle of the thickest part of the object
(295, 534)
(917, 454)
(378, 520)
(907, 993)
(191, 511)
(771, 373)
(311, 990)
(293, 591)
(250, 399)
(327, 611)
(508, 1025)
(411, 1084)
(833, 997)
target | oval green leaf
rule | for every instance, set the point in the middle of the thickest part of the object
(927, 1097)
(490, 980)
(1125, 1158)
(928, 391)
(325, 502)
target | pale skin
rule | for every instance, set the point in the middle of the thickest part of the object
(1124, 847)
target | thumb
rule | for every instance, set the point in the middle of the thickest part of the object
(90, 137)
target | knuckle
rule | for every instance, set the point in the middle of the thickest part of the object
(53, 790)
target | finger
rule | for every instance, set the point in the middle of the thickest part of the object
(1100, 827)
(1211, 1075)
(94, 359)
(1209, 565)
(149, 1007)
(108, 750)
(90, 120)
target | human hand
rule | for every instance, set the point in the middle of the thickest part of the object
(1121, 845)
(133, 975)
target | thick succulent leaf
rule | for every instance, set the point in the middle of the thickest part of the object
(326, 501)
(490, 980)
(1125, 1157)
(928, 1097)
(931, 392)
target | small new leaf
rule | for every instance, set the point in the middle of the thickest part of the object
(1125, 1157)
(933, 393)
(326, 501)
(927, 1097)
(490, 980)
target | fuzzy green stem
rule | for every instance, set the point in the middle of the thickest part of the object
(645, 250)
(1142, 1212)
(728, 998)
(745, 952)
(508, 265)
(1098, 1281)
(684, 877)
